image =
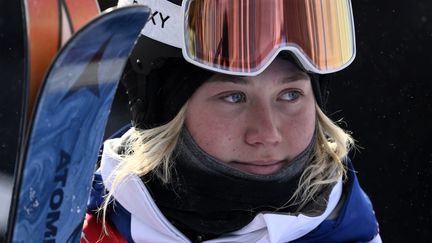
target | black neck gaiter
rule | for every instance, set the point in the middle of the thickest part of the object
(207, 198)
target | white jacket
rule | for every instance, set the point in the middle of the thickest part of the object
(148, 224)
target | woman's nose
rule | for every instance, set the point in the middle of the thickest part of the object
(262, 126)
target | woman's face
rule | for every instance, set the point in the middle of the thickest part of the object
(254, 124)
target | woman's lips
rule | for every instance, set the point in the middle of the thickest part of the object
(267, 167)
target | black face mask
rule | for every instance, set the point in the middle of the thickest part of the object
(207, 198)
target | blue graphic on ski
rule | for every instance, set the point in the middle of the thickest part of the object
(68, 127)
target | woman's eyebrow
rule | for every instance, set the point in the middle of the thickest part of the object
(236, 80)
(295, 77)
(241, 79)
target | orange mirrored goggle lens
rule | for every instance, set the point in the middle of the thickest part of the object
(243, 35)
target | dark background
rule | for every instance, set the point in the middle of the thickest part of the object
(385, 100)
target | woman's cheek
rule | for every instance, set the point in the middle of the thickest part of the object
(221, 140)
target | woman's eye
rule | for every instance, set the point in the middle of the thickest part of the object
(235, 98)
(290, 95)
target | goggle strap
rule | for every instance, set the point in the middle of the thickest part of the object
(164, 23)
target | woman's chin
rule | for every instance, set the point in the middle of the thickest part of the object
(259, 169)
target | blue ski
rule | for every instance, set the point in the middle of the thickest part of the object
(68, 127)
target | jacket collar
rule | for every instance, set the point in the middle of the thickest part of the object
(149, 224)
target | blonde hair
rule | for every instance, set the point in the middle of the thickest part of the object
(151, 149)
(331, 148)
(144, 151)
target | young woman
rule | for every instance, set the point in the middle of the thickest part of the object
(229, 142)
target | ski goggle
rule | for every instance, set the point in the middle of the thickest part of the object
(244, 36)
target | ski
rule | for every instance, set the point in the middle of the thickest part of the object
(68, 125)
(13, 99)
(50, 24)
(31, 33)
